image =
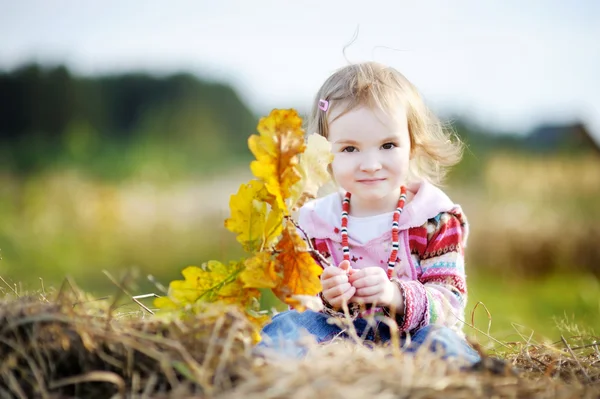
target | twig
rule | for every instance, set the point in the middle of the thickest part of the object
(587, 377)
(32, 366)
(157, 284)
(225, 352)
(311, 248)
(488, 313)
(528, 355)
(43, 290)
(93, 376)
(143, 296)
(14, 385)
(133, 298)
(12, 288)
(482, 332)
(91, 300)
(74, 287)
(150, 384)
(592, 345)
(527, 340)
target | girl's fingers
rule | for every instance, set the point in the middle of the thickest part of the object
(345, 266)
(337, 290)
(331, 271)
(344, 298)
(366, 281)
(334, 281)
(369, 271)
(368, 291)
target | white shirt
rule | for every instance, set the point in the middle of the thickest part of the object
(364, 229)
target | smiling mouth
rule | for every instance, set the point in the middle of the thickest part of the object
(367, 181)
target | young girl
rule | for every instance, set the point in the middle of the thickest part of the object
(394, 240)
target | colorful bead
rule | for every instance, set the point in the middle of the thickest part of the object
(395, 230)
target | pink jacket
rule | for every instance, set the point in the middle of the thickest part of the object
(430, 265)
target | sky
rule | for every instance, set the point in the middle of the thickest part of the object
(507, 65)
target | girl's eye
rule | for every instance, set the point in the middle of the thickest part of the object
(349, 149)
(388, 146)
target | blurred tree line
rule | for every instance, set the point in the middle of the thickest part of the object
(114, 126)
(173, 126)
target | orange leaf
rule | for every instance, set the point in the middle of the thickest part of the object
(281, 139)
(300, 271)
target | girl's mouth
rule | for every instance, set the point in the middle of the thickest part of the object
(370, 181)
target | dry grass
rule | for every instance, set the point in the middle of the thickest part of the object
(72, 347)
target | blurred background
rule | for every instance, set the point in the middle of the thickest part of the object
(124, 126)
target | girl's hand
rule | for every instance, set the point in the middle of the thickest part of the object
(336, 288)
(374, 287)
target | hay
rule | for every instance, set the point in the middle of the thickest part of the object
(66, 348)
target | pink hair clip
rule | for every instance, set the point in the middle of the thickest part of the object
(323, 105)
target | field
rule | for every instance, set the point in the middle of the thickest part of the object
(533, 264)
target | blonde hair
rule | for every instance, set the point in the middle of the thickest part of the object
(434, 147)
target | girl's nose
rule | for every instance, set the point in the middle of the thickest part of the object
(370, 163)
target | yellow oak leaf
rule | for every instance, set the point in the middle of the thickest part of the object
(300, 271)
(213, 281)
(261, 271)
(313, 168)
(276, 151)
(165, 303)
(248, 216)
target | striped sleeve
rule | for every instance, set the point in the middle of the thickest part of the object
(439, 295)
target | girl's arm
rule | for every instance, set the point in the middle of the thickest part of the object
(440, 293)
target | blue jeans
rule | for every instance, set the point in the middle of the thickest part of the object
(286, 328)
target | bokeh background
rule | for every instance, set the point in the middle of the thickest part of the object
(124, 126)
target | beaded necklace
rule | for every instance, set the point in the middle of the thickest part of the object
(395, 235)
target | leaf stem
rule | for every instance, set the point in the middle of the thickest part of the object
(311, 248)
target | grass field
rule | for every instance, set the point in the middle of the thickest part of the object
(520, 262)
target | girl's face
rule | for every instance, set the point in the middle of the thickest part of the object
(371, 156)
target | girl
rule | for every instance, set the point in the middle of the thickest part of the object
(394, 239)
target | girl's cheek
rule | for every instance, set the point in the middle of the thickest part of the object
(340, 165)
(339, 171)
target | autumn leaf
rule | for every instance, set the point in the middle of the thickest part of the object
(313, 169)
(261, 271)
(213, 281)
(248, 216)
(300, 271)
(276, 151)
(287, 172)
(166, 303)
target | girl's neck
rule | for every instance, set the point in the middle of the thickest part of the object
(365, 208)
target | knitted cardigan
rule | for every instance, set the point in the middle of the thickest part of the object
(430, 265)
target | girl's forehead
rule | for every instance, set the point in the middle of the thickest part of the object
(365, 122)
